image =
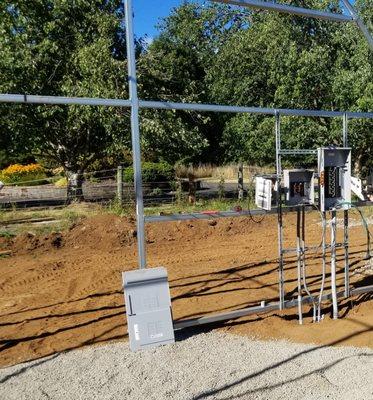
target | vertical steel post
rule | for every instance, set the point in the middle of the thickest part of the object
(279, 212)
(135, 133)
(323, 244)
(333, 267)
(299, 270)
(345, 219)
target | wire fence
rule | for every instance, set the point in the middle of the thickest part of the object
(108, 185)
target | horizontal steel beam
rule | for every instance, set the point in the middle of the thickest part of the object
(166, 105)
(209, 319)
(283, 8)
(229, 214)
(84, 101)
(297, 151)
(205, 215)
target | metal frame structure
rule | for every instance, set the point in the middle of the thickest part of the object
(135, 104)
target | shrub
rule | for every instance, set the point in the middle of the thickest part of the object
(62, 182)
(31, 174)
(152, 172)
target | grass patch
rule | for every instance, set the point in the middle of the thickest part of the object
(6, 234)
(212, 172)
(199, 206)
(64, 218)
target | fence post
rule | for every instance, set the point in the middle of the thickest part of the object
(240, 181)
(192, 189)
(120, 184)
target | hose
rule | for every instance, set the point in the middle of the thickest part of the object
(365, 224)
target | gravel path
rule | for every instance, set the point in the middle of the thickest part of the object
(204, 366)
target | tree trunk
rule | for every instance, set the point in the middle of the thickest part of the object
(74, 186)
(358, 165)
(240, 181)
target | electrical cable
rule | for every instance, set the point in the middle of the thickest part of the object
(257, 221)
(323, 271)
(365, 224)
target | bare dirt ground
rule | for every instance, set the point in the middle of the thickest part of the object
(63, 291)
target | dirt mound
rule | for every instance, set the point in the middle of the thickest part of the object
(108, 232)
(187, 231)
(27, 242)
(64, 290)
(103, 231)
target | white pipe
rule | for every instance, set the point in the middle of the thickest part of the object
(135, 133)
(299, 271)
(333, 229)
(283, 8)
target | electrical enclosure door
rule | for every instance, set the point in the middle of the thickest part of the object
(263, 192)
(148, 307)
(299, 186)
(335, 177)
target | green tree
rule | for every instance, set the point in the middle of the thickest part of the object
(285, 61)
(67, 49)
(174, 68)
(353, 85)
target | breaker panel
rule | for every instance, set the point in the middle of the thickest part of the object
(299, 186)
(334, 165)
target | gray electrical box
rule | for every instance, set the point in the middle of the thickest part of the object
(148, 306)
(265, 190)
(299, 186)
(335, 177)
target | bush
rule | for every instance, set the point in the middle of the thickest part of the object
(62, 182)
(31, 174)
(152, 172)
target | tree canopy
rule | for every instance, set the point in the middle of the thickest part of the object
(203, 54)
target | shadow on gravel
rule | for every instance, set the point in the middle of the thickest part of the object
(27, 367)
(321, 370)
(48, 357)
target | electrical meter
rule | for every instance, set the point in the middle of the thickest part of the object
(335, 177)
(265, 188)
(299, 187)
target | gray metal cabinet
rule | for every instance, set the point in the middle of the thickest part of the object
(148, 306)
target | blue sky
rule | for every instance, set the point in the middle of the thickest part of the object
(148, 12)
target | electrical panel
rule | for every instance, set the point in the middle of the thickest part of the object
(334, 164)
(148, 308)
(299, 186)
(265, 189)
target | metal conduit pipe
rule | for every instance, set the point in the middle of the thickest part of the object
(323, 266)
(284, 8)
(333, 228)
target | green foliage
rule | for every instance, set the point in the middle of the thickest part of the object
(221, 188)
(175, 68)
(152, 172)
(66, 49)
(204, 54)
(6, 234)
(284, 61)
